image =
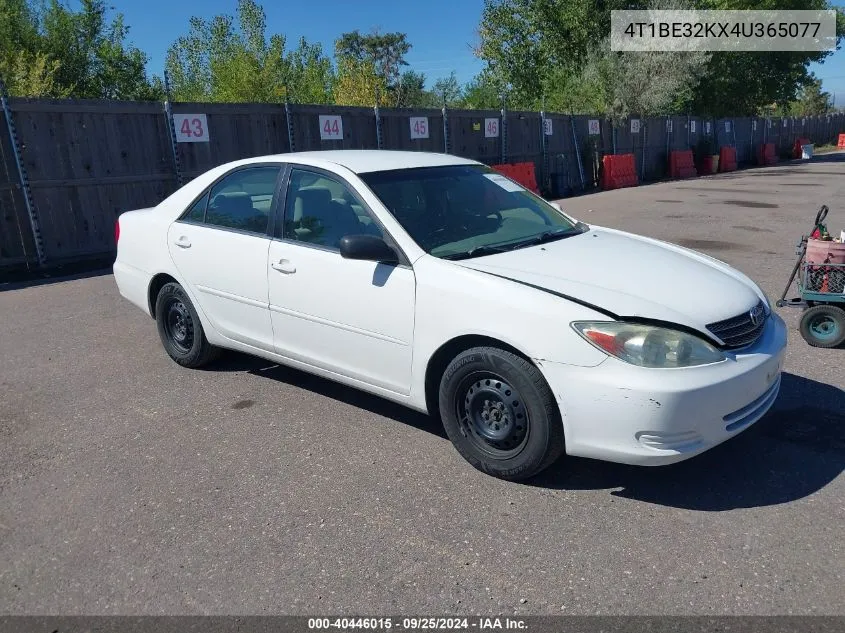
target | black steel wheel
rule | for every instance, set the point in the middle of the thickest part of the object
(492, 414)
(178, 324)
(180, 329)
(500, 414)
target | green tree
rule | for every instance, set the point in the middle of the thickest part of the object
(483, 92)
(51, 50)
(539, 46)
(358, 83)
(447, 90)
(811, 100)
(230, 59)
(385, 51)
(410, 92)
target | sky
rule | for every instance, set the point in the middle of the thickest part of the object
(442, 32)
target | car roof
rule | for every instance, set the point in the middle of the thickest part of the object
(361, 161)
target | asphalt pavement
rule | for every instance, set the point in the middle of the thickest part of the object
(129, 485)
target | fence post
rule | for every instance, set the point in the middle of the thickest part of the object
(613, 135)
(504, 132)
(546, 176)
(577, 151)
(34, 224)
(445, 130)
(643, 128)
(289, 122)
(168, 112)
(379, 139)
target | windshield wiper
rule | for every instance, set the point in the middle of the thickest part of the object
(478, 251)
(547, 236)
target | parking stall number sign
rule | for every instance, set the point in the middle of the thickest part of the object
(707, 127)
(419, 127)
(692, 127)
(491, 128)
(668, 125)
(331, 127)
(547, 127)
(635, 126)
(593, 126)
(728, 127)
(190, 128)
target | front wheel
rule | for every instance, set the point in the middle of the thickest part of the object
(823, 326)
(180, 329)
(500, 414)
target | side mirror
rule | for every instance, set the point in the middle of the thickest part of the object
(367, 248)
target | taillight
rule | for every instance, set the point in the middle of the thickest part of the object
(116, 231)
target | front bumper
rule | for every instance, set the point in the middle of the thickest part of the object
(622, 413)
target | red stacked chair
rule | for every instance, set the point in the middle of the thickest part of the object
(682, 164)
(766, 154)
(523, 173)
(727, 158)
(619, 171)
(796, 149)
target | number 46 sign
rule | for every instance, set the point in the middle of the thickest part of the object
(190, 128)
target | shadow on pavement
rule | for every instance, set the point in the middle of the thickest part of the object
(796, 450)
(236, 362)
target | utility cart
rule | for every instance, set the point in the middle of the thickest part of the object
(820, 271)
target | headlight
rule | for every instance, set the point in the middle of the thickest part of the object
(648, 346)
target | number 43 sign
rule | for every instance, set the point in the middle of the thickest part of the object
(190, 128)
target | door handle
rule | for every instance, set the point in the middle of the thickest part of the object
(283, 266)
(183, 242)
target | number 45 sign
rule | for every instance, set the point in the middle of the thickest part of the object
(190, 128)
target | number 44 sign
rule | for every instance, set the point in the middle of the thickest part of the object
(331, 127)
(190, 128)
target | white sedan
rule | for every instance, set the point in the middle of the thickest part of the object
(435, 282)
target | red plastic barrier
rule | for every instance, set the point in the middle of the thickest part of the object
(682, 165)
(523, 173)
(766, 154)
(796, 149)
(619, 171)
(727, 158)
(841, 144)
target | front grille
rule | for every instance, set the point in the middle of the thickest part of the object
(740, 331)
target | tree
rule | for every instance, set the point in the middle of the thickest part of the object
(539, 46)
(230, 59)
(410, 92)
(358, 83)
(447, 90)
(811, 100)
(384, 51)
(55, 51)
(484, 91)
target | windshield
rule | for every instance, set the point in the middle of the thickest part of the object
(462, 211)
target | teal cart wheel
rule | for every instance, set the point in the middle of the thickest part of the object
(823, 326)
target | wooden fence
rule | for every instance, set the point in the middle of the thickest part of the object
(68, 168)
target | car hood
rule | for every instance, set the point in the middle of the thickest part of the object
(629, 276)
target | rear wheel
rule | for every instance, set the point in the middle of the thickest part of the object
(823, 326)
(180, 329)
(500, 414)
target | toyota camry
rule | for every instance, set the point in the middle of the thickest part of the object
(436, 282)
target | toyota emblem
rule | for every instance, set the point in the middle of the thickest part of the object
(756, 314)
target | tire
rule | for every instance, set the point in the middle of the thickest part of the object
(180, 329)
(500, 414)
(823, 326)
